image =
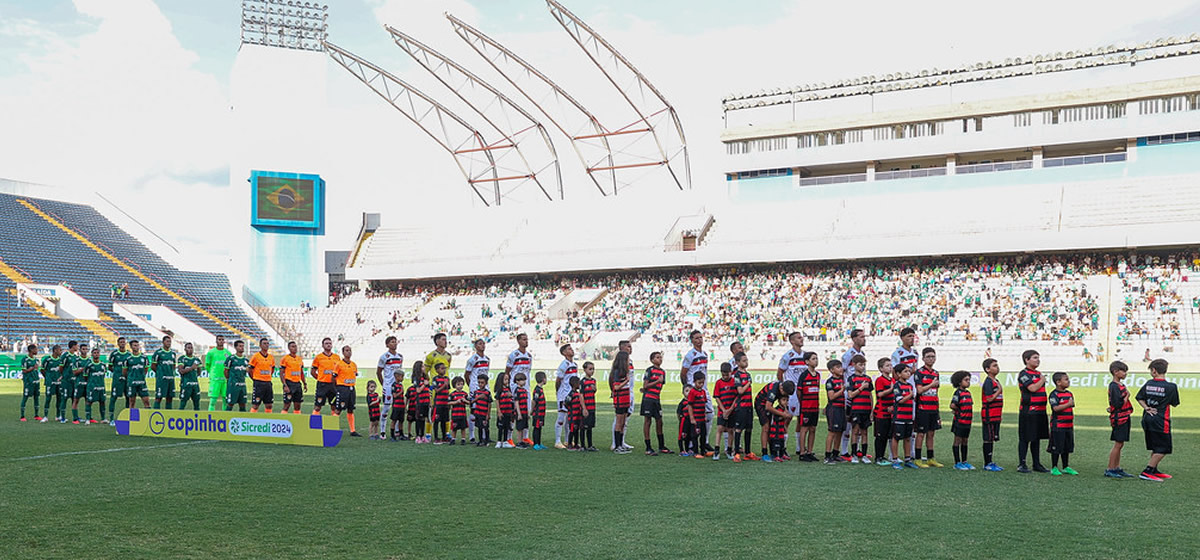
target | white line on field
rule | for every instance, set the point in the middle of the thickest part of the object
(112, 450)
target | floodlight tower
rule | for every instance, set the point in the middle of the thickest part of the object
(278, 107)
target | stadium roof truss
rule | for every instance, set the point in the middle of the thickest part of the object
(654, 112)
(481, 163)
(527, 136)
(603, 150)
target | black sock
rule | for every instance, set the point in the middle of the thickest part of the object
(648, 445)
(987, 453)
(1066, 460)
(880, 446)
(537, 436)
(964, 452)
(957, 455)
(746, 439)
(589, 438)
(1054, 459)
(765, 453)
(1037, 454)
(618, 439)
(916, 453)
(661, 443)
(929, 454)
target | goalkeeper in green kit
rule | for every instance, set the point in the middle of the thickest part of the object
(214, 364)
(93, 371)
(116, 365)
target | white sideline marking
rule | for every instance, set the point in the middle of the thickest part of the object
(114, 449)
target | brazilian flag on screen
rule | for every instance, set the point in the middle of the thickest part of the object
(285, 199)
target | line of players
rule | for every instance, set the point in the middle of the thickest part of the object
(905, 412)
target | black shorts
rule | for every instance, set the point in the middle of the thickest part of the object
(617, 409)
(883, 427)
(293, 392)
(901, 430)
(373, 415)
(927, 421)
(764, 417)
(397, 414)
(458, 424)
(1158, 442)
(808, 418)
(1120, 432)
(745, 418)
(441, 413)
(1033, 426)
(325, 394)
(504, 422)
(1061, 441)
(835, 419)
(263, 393)
(589, 421)
(860, 419)
(522, 424)
(480, 421)
(538, 421)
(723, 422)
(991, 431)
(346, 396)
(961, 430)
(422, 412)
(651, 408)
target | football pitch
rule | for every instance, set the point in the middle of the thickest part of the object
(83, 491)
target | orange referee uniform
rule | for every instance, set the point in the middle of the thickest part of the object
(262, 369)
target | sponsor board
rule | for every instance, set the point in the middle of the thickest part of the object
(291, 429)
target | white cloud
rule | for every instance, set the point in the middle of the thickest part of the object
(114, 107)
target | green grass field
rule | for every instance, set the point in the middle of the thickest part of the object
(83, 491)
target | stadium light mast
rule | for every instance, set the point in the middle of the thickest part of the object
(516, 126)
(651, 106)
(479, 161)
(589, 138)
(288, 24)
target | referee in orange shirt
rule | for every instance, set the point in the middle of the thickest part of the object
(324, 369)
(291, 377)
(347, 376)
(262, 370)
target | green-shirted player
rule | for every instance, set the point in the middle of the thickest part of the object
(31, 383)
(77, 389)
(164, 373)
(214, 364)
(189, 378)
(135, 374)
(71, 369)
(116, 367)
(94, 370)
(52, 366)
(236, 367)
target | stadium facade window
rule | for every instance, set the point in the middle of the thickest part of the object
(1172, 104)
(1084, 113)
(1083, 160)
(1022, 119)
(831, 138)
(737, 148)
(758, 173)
(1172, 138)
(909, 130)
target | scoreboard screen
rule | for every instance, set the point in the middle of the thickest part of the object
(289, 200)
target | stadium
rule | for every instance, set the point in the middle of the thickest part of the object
(1041, 201)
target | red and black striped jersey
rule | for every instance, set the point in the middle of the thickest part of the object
(905, 410)
(504, 401)
(373, 404)
(1061, 419)
(927, 401)
(1031, 400)
(834, 386)
(1119, 408)
(539, 403)
(398, 396)
(810, 391)
(587, 388)
(652, 382)
(441, 390)
(884, 399)
(481, 402)
(423, 395)
(860, 403)
(992, 409)
(697, 400)
(725, 391)
(521, 400)
(777, 427)
(964, 406)
(458, 410)
(576, 412)
(742, 379)
(410, 395)
(770, 393)
(620, 392)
